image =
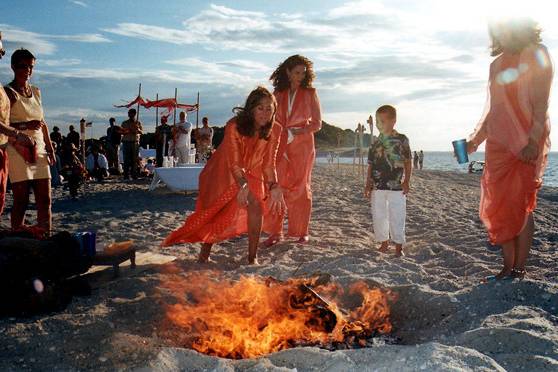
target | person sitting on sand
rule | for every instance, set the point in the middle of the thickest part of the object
(516, 129)
(247, 189)
(149, 168)
(387, 184)
(73, 171)
(97, 165)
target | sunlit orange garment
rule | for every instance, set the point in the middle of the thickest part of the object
(218, 215)
(519, 89)
(296, 159)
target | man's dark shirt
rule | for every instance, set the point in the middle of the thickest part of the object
(73, 137)
(113, 136)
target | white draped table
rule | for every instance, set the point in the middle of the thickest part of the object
(182, 178)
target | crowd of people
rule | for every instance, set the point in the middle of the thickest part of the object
(265, 163)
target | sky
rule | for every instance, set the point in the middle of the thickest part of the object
(429, 58)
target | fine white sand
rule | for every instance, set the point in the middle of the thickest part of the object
(444, 318)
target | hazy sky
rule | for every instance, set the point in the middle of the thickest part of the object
(429, 58)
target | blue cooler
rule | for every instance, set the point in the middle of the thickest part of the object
(86, 241)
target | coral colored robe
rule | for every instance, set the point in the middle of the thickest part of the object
(519, 88)
(218, 216)
(296, 159)
(4, 119)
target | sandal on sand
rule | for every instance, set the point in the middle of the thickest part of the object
(272, 240)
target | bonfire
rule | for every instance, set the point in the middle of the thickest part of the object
(253, 316)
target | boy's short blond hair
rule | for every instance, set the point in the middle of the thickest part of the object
(387, 109)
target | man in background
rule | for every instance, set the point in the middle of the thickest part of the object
(131, 130)
(182, 139)
(73, 137)
(114, 139)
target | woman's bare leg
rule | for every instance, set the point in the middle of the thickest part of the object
(204, 253)
(508, 253)
(20, 192)
(41, 189)
(523, 244)
(255, 219)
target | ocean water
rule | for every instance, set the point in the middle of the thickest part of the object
(438, 160)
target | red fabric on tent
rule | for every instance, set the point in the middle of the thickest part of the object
(137, 100)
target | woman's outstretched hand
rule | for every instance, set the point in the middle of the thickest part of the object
(530, 153)
(276, 201)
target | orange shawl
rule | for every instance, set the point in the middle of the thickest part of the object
(218, 216)
(516, 112)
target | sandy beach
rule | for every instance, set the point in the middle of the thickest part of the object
(445, 318)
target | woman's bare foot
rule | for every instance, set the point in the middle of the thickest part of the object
(502, 274)
(518, 273)
(272, 240)
(384, 247)
(204, 253)
(253, 261)
(303, 239)
(205, 260)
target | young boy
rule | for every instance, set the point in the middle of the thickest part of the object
(389, 172)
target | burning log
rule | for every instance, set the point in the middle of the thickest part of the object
(255, 316)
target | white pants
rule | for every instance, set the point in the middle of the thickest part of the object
(183, 154)
(388, 213)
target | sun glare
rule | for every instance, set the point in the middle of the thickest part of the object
(474, 14)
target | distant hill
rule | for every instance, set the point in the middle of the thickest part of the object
(326, 138)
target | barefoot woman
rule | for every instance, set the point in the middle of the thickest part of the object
(516, 129)
(29, 165)
(299, 113)
(239, 183)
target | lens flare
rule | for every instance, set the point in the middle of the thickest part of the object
(38, 286)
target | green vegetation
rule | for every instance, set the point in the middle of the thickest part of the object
(326, 138)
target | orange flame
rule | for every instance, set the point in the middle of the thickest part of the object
(255, 316)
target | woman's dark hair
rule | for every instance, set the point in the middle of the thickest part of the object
(523, 31)
(245, 118)
(21, 55)
(279, 78)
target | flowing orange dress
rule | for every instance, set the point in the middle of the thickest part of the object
(519, 88)
(296, 159)
(218, 216)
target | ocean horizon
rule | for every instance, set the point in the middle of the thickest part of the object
(445, 161)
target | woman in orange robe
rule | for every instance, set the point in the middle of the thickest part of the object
(516, 129)
(239, 183)
(299, 113)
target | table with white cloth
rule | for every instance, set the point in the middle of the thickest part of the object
(182, 178)
(147, 153)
